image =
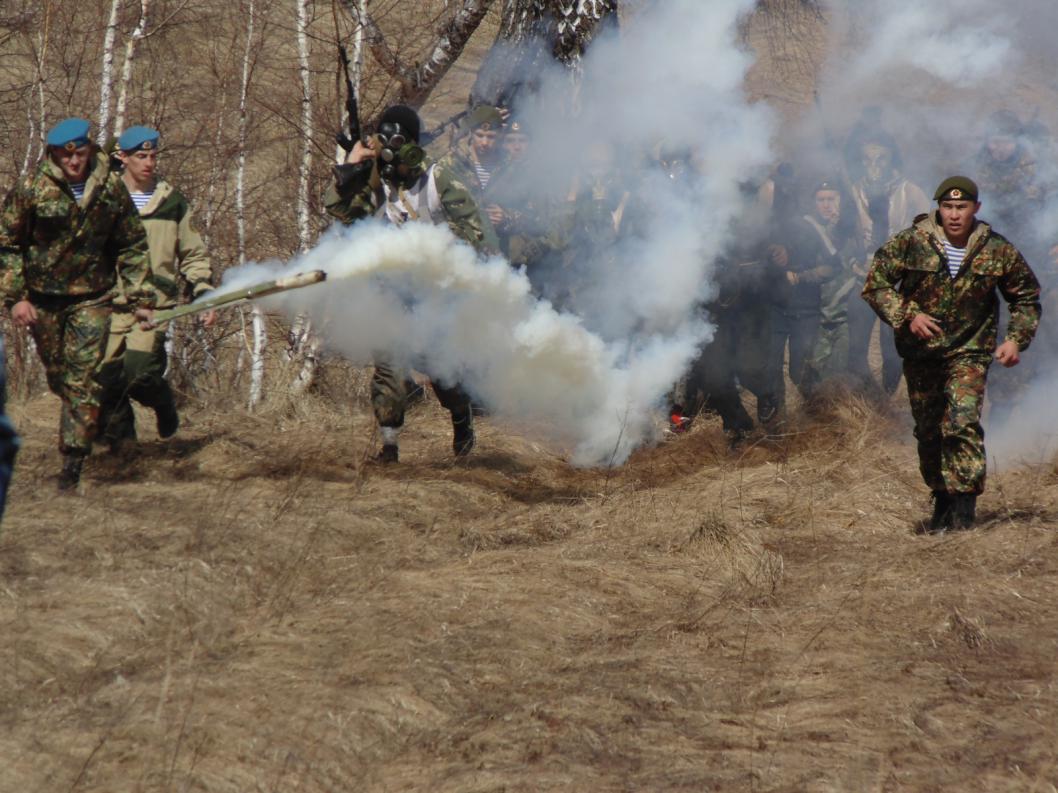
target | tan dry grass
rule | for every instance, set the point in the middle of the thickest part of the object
(255, 608)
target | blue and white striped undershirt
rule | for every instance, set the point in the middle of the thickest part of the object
(141, 199)
(955, 257)
(483, 175)
(77, 188)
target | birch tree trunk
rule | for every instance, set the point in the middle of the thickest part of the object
(260, 334)
(302, 343)
(418, 81)
(138, 33)
(107, 76)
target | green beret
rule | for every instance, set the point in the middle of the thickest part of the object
(956, 188)
(484, 117)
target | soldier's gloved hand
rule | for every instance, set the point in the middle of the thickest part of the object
(350, 176)
(1008, 354)
(23, 314)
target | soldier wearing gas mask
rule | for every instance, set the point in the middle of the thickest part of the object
(392, 178)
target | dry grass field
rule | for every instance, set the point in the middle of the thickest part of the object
(252, 606)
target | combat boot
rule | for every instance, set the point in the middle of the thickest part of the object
(168, 419)
(963, 510)
(942, 512)
(72, 463)
(388, 455)
(462, 437)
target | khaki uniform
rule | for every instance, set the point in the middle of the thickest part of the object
(946, 374)
(136, 360)
(77, 262)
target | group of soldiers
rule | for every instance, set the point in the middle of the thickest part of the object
(800, 288)
(92, 242)
(87, 239)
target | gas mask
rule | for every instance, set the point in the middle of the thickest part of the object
(397, 149)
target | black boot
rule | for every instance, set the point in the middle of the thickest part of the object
(72, 462)
(963, 510)
(168, 419)
(388, 455)
(462, 436)
(942, 512)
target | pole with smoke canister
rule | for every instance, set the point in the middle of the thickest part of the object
(239, 295)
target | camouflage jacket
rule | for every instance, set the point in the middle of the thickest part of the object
(910, 276)
(177, 250)
(365, 197)
(52, 245)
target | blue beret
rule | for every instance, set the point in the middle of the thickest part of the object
(69, 133)
(135, 138)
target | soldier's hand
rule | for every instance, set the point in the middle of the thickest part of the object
(925, 327)
(146, 318)
(208, 318)
(495, 213)
(23, 314)
(792, 278)
(1007, 354)
(360, 152)
(779, 256)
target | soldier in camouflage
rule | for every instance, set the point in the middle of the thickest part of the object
(136, 359)
(393, 179)
(72, 252)
(935, 284)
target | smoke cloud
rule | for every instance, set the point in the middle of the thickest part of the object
(594, 374)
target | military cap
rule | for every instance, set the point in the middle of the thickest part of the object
(484, 117)
(136, 138)
(69, 133)
(516, 126)
(956, 188)
(827, 184)
(407, 118)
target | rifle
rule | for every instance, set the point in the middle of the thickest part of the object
(352, 106)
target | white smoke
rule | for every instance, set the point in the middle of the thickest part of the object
(595, 380)
(427, 300)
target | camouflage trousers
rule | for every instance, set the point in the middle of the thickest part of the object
(946, 400)
(389, 396)
(71, 337)
(133, 368)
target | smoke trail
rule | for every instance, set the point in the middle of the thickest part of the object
(421, 295)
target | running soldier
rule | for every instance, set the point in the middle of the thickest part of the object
(72, 252)
(136, 359)
(935, 284)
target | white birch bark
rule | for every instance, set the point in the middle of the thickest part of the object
(260, 334)
(302, 342)
(107, 77)
(138, 33)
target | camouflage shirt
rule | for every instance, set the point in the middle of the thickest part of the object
(910, 276)
(51, 244)
(364, 197)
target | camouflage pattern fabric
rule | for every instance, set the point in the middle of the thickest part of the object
(389, 396)
(52, 245)
(909, 276)
(71, 339)
(363, 198)
(526, 235)
(946, 400)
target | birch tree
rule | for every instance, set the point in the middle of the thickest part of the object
(418, 80)
(138, 33)
(302, 342)
(260, 332)
(106, 79)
